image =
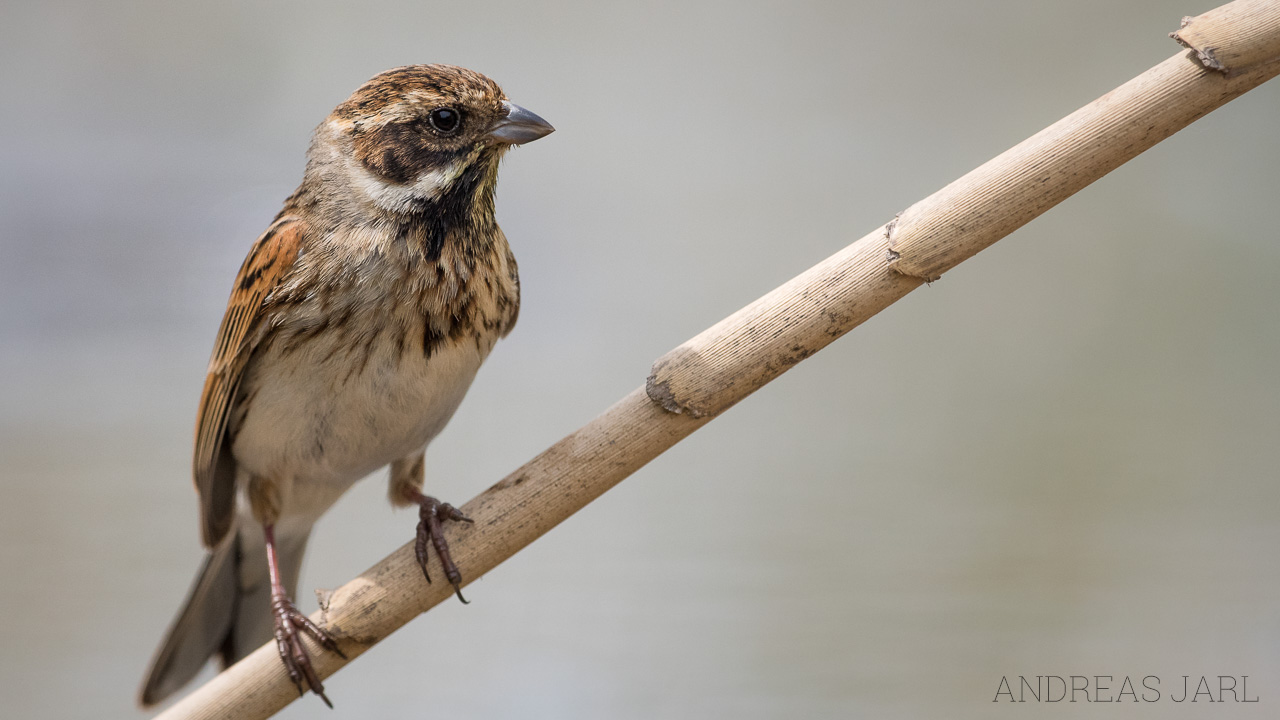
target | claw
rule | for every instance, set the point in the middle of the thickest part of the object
(289, 624)
(430, 531)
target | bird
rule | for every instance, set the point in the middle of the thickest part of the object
(354, 329)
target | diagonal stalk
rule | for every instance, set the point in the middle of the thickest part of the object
(1233, 49)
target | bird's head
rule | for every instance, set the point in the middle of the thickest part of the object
(413, 135)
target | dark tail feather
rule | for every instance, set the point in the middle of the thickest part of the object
(201, 628)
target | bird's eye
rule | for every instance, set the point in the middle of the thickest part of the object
(445, 121)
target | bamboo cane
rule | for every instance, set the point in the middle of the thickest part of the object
(1233, 49)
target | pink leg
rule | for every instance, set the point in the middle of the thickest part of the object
(289, 621)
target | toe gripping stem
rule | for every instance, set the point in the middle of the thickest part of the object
(290, 625)
(431, 514)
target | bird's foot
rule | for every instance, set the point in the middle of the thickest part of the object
(431, 514)
(290, 625)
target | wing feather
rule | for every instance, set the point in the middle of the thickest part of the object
(269, 260)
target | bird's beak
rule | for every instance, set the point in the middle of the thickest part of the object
(519, 126)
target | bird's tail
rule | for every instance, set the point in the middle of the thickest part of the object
(228, 611)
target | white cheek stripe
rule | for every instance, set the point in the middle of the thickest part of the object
(393, 197)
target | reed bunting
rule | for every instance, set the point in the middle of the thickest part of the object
(354, 329)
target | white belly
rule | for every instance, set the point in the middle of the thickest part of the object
(316, 421)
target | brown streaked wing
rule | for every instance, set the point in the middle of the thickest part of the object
(270, 258)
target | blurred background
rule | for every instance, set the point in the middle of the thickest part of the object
(1060, 459)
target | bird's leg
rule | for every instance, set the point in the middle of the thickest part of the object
(288, 622)
(431, 513)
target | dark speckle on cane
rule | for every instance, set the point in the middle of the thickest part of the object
(510, 482)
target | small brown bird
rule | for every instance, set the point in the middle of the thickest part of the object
(354, 329)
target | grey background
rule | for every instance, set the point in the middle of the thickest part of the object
(1059, 459)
